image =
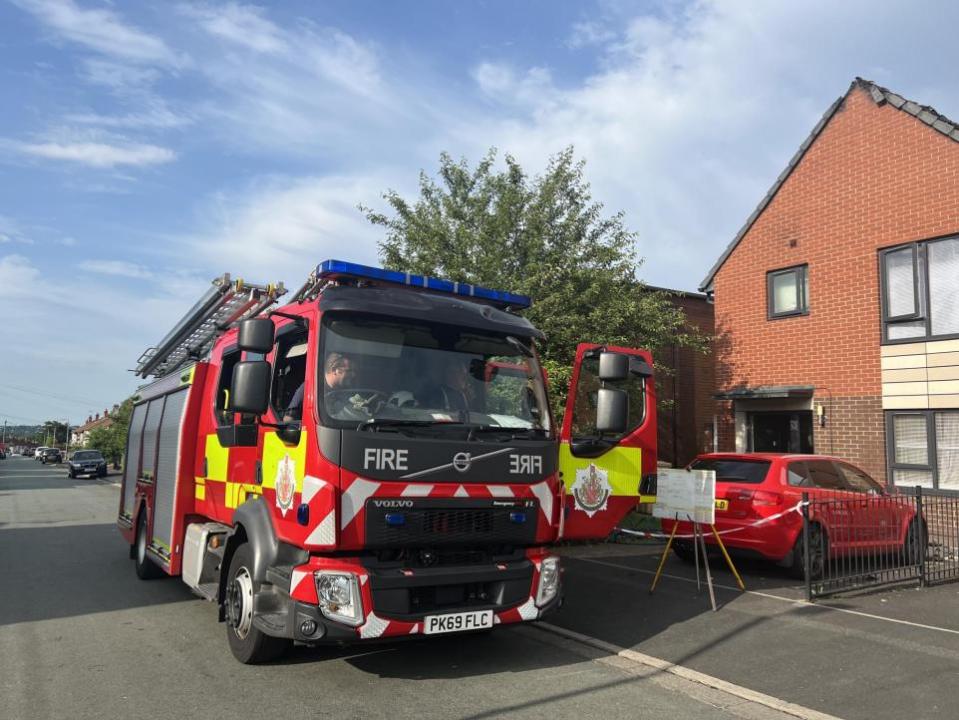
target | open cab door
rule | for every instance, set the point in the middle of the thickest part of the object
(608, 441)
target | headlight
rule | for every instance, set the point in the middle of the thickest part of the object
(339, 595)
(548, 581)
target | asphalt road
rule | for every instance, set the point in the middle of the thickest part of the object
(82, 637)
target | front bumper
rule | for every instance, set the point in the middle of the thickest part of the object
(395, 602)
(87, 471)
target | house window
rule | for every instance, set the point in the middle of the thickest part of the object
(787, 291)
(920, 290)
(923, 448)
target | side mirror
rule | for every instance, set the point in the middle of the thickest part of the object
(250, 388)
(613, 366)
(256, 335)
(612, 411)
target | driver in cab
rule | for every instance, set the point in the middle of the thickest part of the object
(338, 374)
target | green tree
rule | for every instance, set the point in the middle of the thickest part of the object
(112, 439)
(53, 433)
(541, 236)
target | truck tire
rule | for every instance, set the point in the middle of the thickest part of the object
(146, 568)
(248, 643)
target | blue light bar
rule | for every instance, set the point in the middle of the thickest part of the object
(340, 270)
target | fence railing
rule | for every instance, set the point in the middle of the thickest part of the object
(854, 541)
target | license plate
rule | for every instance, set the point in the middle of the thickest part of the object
(457, 622)
(722, 504)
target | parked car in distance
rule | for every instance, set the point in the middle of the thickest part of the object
(87, 462)
(3, 455)
(51, 455)
(850, 512)
(38, 452)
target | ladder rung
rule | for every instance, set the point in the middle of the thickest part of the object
(218, 309)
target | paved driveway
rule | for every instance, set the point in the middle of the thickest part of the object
(893, 654)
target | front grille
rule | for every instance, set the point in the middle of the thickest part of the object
(409, 596)
(437, 522)
(457, 522)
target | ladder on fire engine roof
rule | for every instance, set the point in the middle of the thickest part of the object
(223, 305)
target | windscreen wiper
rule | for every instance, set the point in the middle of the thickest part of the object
(374, 423)
(514, 433)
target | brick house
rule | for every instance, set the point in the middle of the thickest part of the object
(837, 303)
(79, 435)
(685, 425)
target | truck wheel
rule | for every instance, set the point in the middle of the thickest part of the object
(249, 644)
(146, 569)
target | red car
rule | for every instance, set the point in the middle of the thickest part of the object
(850, 513)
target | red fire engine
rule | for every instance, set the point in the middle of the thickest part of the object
(376, 458)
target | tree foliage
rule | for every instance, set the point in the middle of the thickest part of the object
(541, 236)
(53, 433)
(111, 440)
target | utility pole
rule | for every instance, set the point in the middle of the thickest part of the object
(3, 442)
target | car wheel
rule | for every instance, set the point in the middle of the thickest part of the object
(145, 567)
(818, 553)
(684, 551)
(915, 543)
(248, 643)
(71, 474)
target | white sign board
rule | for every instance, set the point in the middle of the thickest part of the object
(686, 495)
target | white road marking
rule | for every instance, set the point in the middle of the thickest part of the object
(794, 601)
(686, 673)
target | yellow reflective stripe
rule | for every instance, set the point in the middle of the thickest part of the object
(199, 491)
(623, 465)
(274, 450)
(217, 459)
(236, 493)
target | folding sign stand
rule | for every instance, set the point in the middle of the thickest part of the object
(699, 546)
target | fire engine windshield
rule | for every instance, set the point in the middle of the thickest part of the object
(378, 372)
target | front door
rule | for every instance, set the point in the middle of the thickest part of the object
(784, 432)
(602, 473)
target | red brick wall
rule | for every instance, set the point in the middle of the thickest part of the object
(874, 177)
(685, 428)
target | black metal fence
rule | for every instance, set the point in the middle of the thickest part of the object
(856, 541)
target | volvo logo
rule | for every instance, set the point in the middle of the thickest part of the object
(462, 461)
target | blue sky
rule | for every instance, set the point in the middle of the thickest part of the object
(146, 147)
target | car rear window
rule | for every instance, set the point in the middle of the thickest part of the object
(735, 471)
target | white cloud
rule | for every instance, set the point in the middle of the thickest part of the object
(503, 83)
(101, 30)
(119, 77)
(17, 277)
(243, 25)
(120, 268)
(691, 117)
(155, 116)
(100, 155)
(282, 227)
(590, 32)
(10, 233)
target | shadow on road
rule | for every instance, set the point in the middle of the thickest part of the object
(65, 571)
